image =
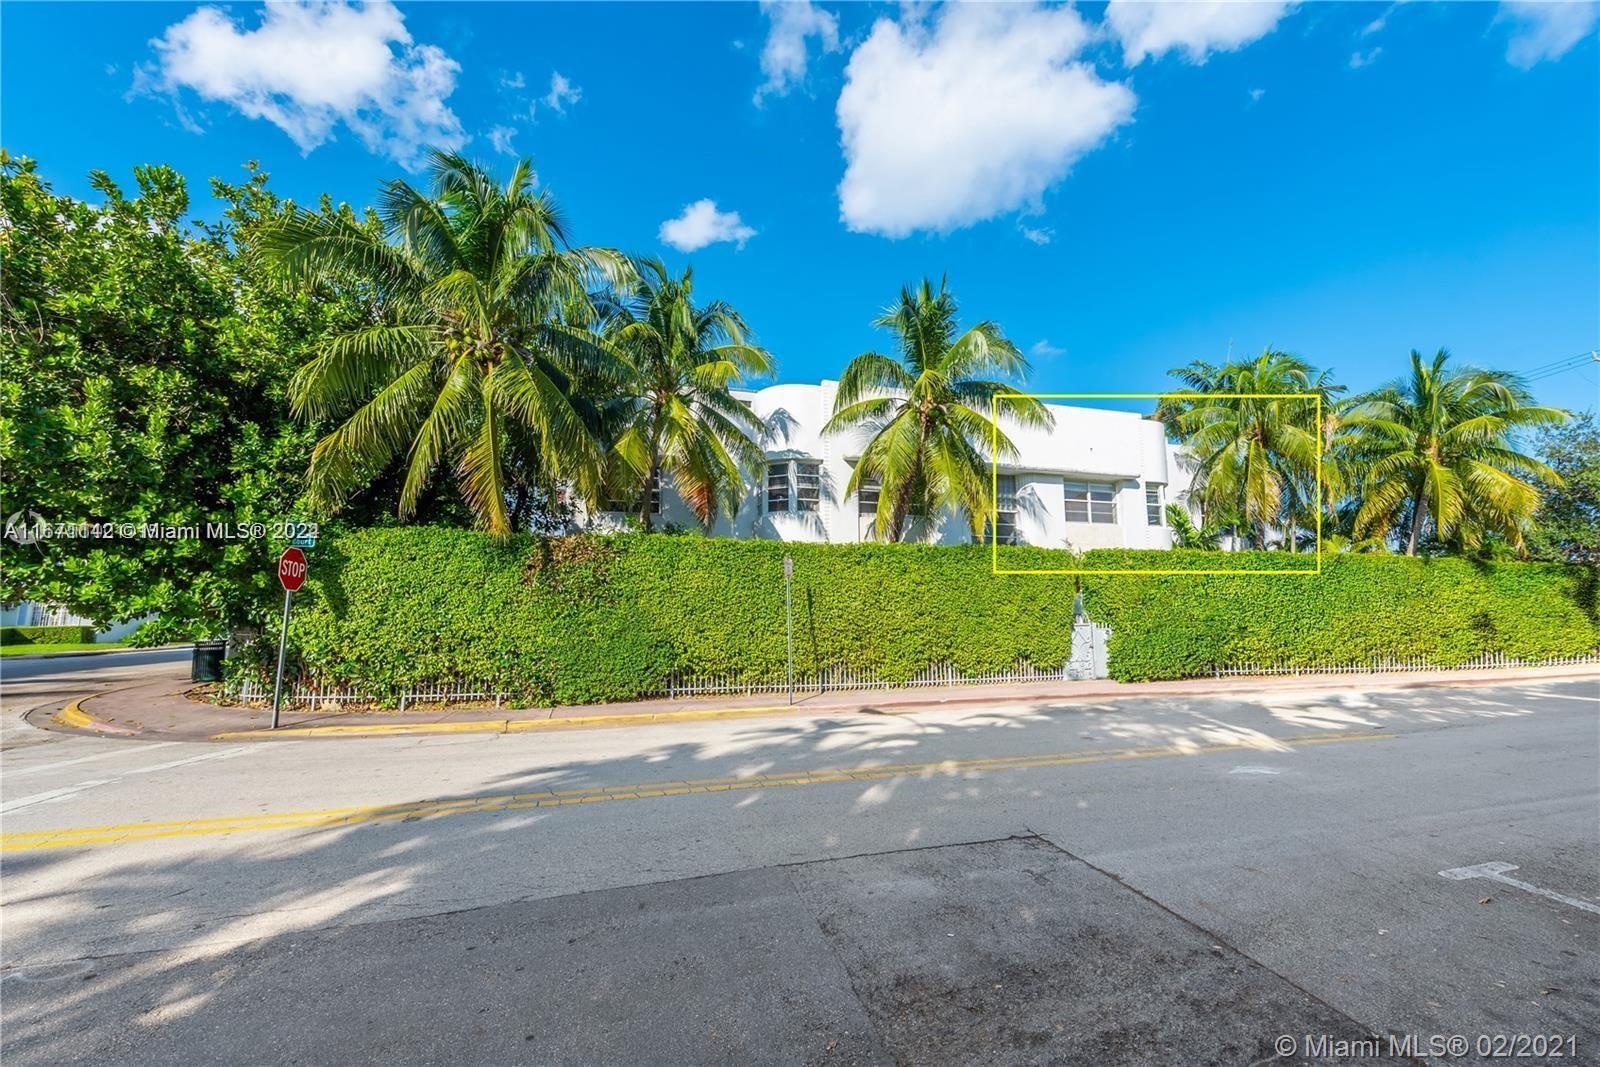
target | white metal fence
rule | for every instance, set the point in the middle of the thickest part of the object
(1391, 665)
(678, 684)
(305, 692)
(845, 678)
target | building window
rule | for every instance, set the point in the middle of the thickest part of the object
(1152, 505)
(630, 505)
(867, 495)
(794, 485)
(1091, 502)
(1005, 518)
(807, 485)
(777, 487)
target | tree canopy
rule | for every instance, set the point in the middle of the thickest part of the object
(146, 369)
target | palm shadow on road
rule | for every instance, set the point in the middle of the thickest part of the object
(237, 906)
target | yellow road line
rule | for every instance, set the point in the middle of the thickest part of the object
(78, 837)
(495, 726)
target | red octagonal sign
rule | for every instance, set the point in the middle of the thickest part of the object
(292, 569)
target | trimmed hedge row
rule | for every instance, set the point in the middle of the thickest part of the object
(582, 619)
(1359, 609)
(46, 635)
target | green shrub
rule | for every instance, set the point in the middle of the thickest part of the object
(46, 635)
(1360, 608)
(584, 619)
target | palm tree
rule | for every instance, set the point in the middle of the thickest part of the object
(480, 309)
(929, 410)
(1186, 534)
(674, 414)
(1442, 445)
(1255, 443)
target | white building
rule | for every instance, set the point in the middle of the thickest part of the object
(1098, 479)
(32, 613)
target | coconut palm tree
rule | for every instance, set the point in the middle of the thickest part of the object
(928, 411)
(480, 309)
(673, 414)
(1254, 441)
(1441, 445)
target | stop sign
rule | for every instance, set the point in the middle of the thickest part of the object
(292, 569)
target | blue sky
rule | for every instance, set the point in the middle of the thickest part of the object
(1123, 187)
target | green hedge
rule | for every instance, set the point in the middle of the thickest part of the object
(1360, 608)
(575, 620)
(46, 635)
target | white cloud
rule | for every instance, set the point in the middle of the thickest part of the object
(1364, 59)
(562, 92)
(500, 140)
(973, 116)
(1043, 349)
(783, 58)
(512, 80)
(1196, 28)
(1545, 30)
(702, 224)
(1256, 95)
(1039, 235)
(307, 68)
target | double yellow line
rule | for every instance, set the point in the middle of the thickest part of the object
(332, 818)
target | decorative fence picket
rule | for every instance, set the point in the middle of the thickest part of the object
(1390, 665)
(1081, 666)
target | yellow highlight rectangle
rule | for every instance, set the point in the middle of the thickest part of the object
(994, 475)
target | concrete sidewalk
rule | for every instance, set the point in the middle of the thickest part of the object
(167, 709)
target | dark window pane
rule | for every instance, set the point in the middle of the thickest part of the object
(777, 487)
(807, 485)
(867, 495)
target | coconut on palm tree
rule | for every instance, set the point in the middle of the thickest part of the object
(1254, 438)
(927, 411)
(673, 414)
(1441, 447)
(480, 309)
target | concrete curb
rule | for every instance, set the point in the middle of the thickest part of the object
(73, 717)
(503, 726)
(886, 707)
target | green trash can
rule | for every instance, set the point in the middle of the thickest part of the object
(207, 663)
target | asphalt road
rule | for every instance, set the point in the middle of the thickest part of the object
(1155, 881)
(74, 666)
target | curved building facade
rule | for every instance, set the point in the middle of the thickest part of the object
(1096, 479)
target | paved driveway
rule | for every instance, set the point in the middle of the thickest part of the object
(1155, 881)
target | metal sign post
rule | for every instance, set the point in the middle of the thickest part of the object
(788, 617)
(283, 649)
(291, 575)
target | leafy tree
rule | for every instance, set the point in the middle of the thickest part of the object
(1186, 534)
(481, 319)
(673, 414)
(1567, 524)
(928, 411)
(145, 370)
(1254, 444)
(1442, 449)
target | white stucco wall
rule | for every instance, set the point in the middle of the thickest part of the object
(1085, 444)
